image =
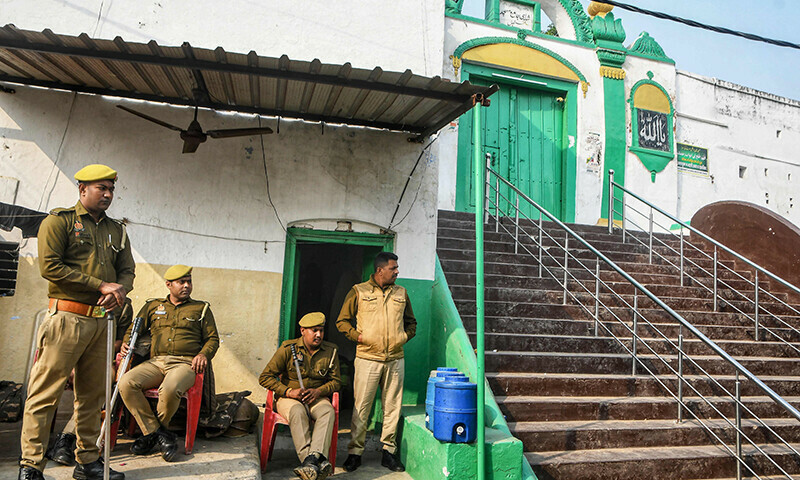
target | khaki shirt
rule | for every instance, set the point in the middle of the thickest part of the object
(320, 370)
(77, 254)
(184, 330)
(379, 322)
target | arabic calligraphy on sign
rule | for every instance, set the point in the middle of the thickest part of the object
(516, 15)
(653, 130)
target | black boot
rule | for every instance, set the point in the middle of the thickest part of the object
(29, 473)
(309, 469)
(352, 462)
(167, 443)
(391, 462)
(63, 449)
(325, 467)
(94, 471)
(144, 444)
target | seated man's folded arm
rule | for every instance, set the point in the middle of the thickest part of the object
(270, 378)
(210, 336)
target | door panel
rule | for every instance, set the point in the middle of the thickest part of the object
(523, 129)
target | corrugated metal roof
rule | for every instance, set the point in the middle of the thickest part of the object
(311, 91)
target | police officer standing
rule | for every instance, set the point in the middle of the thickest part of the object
(384, 323)
(319, 366)
(86, 258)
(183, 339)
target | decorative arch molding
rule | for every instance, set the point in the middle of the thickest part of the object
(581, 22)
(649, 96)
(544, 61)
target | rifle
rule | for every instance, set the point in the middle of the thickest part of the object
(299, 375)
(123, 367)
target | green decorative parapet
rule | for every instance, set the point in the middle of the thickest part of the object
(647, 47)
(424, 456)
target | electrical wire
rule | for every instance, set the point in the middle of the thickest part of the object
(58, 155)
(266, 177)
(402, 194)
(696, 24)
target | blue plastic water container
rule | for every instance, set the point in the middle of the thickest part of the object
(455, 412)
(438, 375)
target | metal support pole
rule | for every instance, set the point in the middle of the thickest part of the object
(479, 293)
(756, 308)
(566, 262)
(738, 428)
(680, 375)
(650, 259)
(597, 297)
(610, 202)
(682, 256)
(715, 278)
(516, 224)
(635, 324)
(496, 205)
(624, 223)
(485, 201)
(540, 244)
(110, 335)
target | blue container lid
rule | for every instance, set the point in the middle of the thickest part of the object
(456, 385)
(448, 373)
(447, 369)
(456, 378)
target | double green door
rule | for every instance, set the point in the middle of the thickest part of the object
(523, 133)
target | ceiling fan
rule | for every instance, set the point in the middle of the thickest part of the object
(194, 135)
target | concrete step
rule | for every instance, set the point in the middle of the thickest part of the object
(594, 385)
(519, 408)
(729, 327)
(621, 363)
(515, 342)
(586, 435)
(657, 463)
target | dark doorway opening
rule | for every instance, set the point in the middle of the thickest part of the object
(325, 273)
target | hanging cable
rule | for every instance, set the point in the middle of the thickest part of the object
(402, 194)
(266, 177)
(696, 24)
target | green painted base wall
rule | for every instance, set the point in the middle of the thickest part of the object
(426, 458)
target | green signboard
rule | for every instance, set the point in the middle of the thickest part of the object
(692, 159)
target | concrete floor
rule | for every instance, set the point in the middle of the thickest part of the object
(219, 458)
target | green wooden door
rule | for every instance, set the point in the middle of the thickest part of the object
(524, 134)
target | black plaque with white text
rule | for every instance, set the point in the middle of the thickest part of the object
(653, 130)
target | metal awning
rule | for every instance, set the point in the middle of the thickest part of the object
(311, 91)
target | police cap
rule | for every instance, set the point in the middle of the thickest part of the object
(313, 319)
(96, 173)
(177, 271)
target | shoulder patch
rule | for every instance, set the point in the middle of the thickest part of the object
(59, 211)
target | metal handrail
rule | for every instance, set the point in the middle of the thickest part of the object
(635, 338)
(705, 237)
(655, 299)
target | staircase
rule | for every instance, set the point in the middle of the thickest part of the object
(571, 397)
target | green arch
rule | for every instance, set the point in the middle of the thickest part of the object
(477, 42)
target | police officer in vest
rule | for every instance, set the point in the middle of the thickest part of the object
(183, 339)
(384, 322)
(86, 258)
(319, 366)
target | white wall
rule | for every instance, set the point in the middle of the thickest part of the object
(394, 35)
(740, 127)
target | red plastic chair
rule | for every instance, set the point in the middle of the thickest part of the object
(272, 418)
(193, 397)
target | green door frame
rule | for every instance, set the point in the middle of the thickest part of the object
(291, 265)
(567, 89)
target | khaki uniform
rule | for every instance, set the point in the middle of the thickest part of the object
(385, 321)
(179, 333)
(76, 254)
(321, 371)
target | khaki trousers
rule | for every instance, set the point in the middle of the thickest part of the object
(305, 439)
(171, 374)
(65, 341)
(370, 374)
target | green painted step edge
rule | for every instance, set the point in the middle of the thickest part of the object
(450, 346)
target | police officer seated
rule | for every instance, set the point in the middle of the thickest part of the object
(319, 367)
(184, 338)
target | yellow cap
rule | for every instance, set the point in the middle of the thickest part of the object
(95, 173)
(313, 319)
(177, 271)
